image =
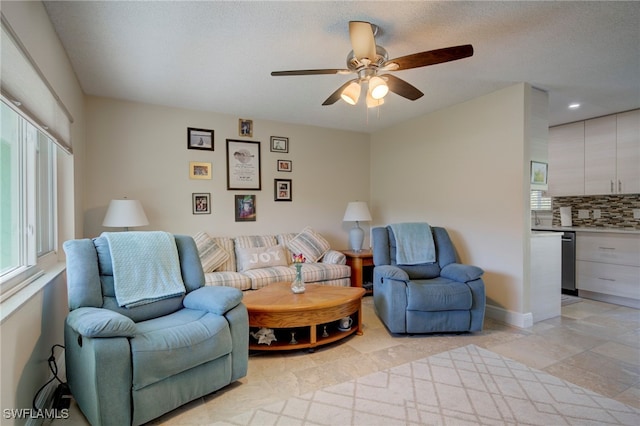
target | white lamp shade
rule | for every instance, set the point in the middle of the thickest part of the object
(378, 88)
(125, 213)
(357, 211)
(351, 93)
(372, 103)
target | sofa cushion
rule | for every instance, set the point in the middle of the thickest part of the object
(309, 243)
(166, 346)
(264, 276)
(318, 272)
(228, 279)
(335, 257)
(255, 241)
(260, 257)
(438, 294)
(212, 256)
(228, 245)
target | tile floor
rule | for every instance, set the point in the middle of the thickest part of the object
(593, 344)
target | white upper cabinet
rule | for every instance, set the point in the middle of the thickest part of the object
(596, 157)
(628, 152)
(566, 159)
(600, 156)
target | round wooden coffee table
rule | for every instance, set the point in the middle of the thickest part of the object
(308, 315)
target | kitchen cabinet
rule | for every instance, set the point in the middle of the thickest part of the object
(566, 159)
(628, 152)
(600, 156)
(608, 267)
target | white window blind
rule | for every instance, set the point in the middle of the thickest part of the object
(539, 201)
(24, 84)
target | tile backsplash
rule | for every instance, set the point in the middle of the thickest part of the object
(600, 211)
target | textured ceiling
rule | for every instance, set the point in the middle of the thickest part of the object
(217, 56)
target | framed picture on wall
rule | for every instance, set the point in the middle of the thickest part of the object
(285, 165)
(243, 165)
(282, 190)
(199, 170)
(539, 173)
(279, 144)
(201, 202)
(245, 208)
(199, 139)
(245, 128)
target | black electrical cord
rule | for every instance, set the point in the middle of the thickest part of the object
(54, 369)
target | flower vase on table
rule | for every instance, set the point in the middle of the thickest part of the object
(297, 286)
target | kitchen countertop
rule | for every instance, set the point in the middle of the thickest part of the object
(584, 229)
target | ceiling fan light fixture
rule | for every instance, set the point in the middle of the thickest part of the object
(372, 103)
(351, 93)
(378, 88)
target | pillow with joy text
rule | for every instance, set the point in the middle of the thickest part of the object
(260, 257)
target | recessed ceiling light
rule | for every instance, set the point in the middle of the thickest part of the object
(574, 105)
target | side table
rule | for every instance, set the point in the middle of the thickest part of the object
(359, 261)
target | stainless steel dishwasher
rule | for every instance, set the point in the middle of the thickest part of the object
(569, 263)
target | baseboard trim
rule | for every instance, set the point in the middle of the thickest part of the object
(515, 319)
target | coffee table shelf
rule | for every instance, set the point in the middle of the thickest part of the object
(303, 336)
(276, 307)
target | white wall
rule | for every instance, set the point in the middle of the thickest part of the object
(140, 151)
(28, 334)
(464, 168)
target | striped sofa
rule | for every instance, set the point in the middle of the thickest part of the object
(225, 260)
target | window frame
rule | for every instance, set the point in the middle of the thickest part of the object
(34, 260)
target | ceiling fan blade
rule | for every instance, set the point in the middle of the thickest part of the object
(309, 72)
(401, 87)
(335, 96)
(362, 40)
(432, 57)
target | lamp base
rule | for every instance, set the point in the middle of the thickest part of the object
(356, 238)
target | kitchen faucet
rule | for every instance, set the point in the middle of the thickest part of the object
(536, 220)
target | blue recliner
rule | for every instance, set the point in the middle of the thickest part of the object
(439, 296)
(129, 365)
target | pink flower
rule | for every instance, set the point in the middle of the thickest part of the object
(299, 258)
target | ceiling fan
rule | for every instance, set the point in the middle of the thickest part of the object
(371, 63)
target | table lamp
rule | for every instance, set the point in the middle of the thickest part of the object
(125, 213)
(357, 211)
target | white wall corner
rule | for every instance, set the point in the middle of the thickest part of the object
(516, 319)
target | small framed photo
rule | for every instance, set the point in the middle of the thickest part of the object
(199, 170)
(285, 165)
(279, 144)
(539, 173)
(245, 208)
(245, 128)
(201, 202)
(282, 190)
(199, 139)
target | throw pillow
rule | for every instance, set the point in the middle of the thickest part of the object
(212, 256)
(309, 243)
(260, 257)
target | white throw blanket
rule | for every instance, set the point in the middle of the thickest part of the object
(414, 243)
(146, 267)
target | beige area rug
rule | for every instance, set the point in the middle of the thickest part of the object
(464, 386)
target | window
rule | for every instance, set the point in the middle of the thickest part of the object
(539, 201)
(27, 199)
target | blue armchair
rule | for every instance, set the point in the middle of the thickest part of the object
(129, 365)
(440, 296)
